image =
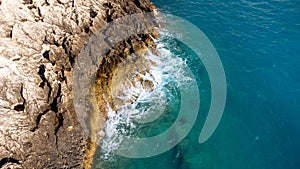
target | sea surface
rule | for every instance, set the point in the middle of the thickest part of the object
(259, 45)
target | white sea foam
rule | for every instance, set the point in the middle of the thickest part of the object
(148, 105)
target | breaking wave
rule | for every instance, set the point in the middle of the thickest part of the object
(143, 100)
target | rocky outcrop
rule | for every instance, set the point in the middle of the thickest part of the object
(39, 42)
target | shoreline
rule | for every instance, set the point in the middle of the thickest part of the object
(39, 45)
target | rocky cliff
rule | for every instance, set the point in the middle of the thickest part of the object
(39, 43)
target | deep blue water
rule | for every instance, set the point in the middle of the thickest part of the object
(259, 45)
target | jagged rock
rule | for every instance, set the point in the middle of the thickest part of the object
(39, 41)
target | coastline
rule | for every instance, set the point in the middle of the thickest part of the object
(39, 45)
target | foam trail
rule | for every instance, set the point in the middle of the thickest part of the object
(148, 105)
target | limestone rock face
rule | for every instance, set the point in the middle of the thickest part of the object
(39, 41)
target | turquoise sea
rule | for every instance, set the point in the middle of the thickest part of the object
(259, 45)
